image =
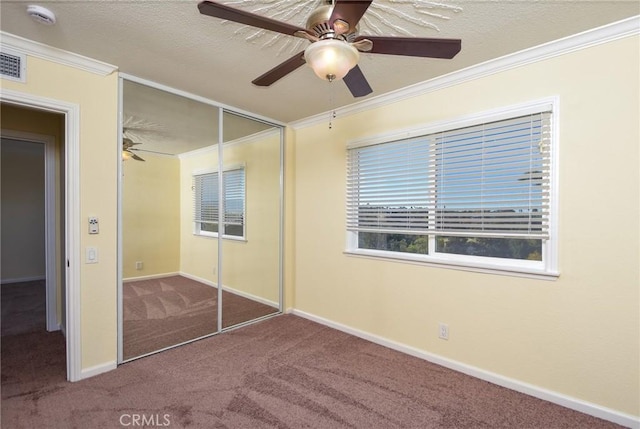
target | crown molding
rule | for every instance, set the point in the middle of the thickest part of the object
(60, 56)
(214, 147)
(597, 36)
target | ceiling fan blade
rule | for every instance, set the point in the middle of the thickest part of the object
(306, 35)
(414, 46)
(364, 45)
(136, 157)
(349, 11)
(222, 11)
(281, 70)
(127, 143)
(357, 83)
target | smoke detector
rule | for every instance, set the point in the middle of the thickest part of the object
(41, 14)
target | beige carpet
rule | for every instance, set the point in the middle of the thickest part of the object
(23, 307)
(160, 313)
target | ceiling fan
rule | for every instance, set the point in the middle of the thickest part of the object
(135, 128)
(127, 149)
(333, 53)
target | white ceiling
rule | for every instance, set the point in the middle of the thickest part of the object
(170, 42)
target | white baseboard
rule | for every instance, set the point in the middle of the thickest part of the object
(22, 279)
(150, 277)
(198, 279)
(98, 369)
(510, 383)
(256, 298)
(232, 290)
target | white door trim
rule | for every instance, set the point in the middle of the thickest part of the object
(71, 112)
(51, 216)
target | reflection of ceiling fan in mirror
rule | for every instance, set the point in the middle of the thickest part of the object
(128, 148)
(134, 133)
(333, 53)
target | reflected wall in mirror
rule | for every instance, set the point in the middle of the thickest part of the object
(171, 264)
(250, 270)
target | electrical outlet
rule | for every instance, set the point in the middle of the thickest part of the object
(214, 271)
(443, 331)
(139, 265)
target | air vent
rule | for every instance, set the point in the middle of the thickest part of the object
(12, 66)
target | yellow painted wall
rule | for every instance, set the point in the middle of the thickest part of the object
(250, 266)
(151, 216)
(97, 97)
(198, 255)
(579, 335)
(253, 266)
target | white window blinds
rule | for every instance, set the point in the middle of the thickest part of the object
(206, 202)
(388, 187)
(234, 197)
(491, 179)
(205, 198)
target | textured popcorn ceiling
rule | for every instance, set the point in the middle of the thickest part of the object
(170, 42)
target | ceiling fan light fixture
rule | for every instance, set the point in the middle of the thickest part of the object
(331, 59)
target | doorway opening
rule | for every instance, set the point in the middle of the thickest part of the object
(35, 231)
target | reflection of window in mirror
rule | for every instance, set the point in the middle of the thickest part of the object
(206, 200)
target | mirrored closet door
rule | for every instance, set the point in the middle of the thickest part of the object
(195, 214)
(250, 272)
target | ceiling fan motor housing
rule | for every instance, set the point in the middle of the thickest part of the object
(318, 23)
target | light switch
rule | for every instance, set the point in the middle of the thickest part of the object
(91, 255)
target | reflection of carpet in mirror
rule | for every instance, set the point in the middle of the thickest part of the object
(162, 312)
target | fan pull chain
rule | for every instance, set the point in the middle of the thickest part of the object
(332, 114)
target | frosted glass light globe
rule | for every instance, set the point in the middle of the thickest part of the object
(331, 59)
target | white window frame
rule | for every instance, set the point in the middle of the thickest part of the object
(209, 234)
(545, 269)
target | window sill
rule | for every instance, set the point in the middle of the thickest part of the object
(436, 262)
(224, 237)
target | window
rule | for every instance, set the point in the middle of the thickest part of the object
(476, 195)
(206, 203)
